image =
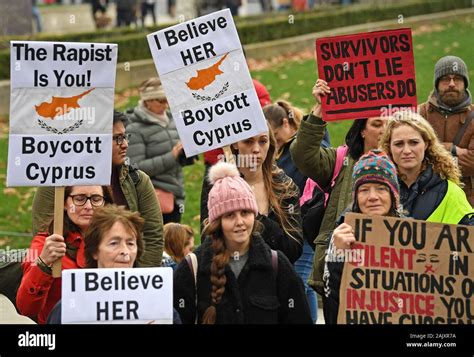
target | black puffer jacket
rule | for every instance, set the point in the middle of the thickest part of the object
(256, 297)
(421, 199)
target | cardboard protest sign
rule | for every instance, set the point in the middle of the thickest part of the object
(207, 82)
(370, 74)
(404, 271)
(133, 295)
(61, 110)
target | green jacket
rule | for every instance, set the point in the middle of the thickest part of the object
(318, 163)
(140, 197)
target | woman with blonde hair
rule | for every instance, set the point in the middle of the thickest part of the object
(428, 175)
(179, 242)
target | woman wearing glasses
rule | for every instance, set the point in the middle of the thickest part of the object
(39, 291)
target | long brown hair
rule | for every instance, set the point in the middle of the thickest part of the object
(278, 191)
(176, 238)
(220, 259)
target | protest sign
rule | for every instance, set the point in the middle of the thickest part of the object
(61, 111)
(370, 74)
(405, 271)
(207, 82)
(133, 295)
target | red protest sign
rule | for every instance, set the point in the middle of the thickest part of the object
(370, 74)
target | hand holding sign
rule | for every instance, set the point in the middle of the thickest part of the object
(177, 149)
(344, 236)
(320, 89)
(54, 249)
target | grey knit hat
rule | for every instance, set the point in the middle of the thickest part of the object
(451, 65)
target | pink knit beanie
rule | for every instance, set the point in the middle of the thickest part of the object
(229, 192)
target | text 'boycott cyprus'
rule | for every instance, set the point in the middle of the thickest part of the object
(211, 113)
(51, 148)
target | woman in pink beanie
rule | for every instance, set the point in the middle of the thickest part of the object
(239, 279)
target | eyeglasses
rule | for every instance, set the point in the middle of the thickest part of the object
(119, 139)
(447, 79)
(80, 200)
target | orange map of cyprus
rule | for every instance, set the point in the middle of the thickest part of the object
(60, 105)
(206, 76)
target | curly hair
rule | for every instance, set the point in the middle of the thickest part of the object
(102, 221)
(220, 259)
(435, 154)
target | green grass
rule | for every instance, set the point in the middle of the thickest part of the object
(292, 81)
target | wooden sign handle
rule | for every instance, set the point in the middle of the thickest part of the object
(58, 224)
(229, 157)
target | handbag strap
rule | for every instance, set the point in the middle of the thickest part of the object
(341, 153)
(463, 129)
(191, 259)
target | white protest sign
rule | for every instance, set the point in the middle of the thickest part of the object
(61, 111)
(133, 295)
(207, 82)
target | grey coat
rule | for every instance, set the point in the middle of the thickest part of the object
(150, 149)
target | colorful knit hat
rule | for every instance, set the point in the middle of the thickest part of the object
(451, 65)
(229, 192)
(376, 167)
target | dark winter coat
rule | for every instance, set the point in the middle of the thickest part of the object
(421, 199)
(446, 121)
(259, 296)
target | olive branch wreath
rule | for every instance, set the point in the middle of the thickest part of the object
(73, 127)
(211, 99)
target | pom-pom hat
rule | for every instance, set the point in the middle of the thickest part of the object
(376, 167)
(229, 192)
